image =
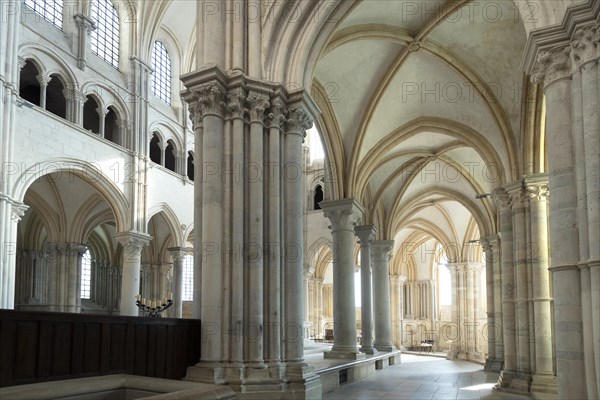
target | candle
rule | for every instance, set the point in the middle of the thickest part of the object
(144, 301)
(170, 295)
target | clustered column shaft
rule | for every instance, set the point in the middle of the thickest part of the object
(249, 134)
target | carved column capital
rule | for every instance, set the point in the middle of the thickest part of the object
(102, 111)
(180, 252)
(344, 214)
(276, 116)
(298, 120)
(518, 198)
(207, 100)
(381, 250)
(258, 107)
(21, 62)
(84, 23)
(133, 243)
(236, 105)
(552, 65)
(17, 210)
(503, 200)
(585, 45)
(43, 79)
(366, 234)
(538, 192)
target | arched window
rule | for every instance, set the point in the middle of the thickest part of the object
(444, 283)
(50, 10)
(190, 166)
(105, 38)
(86, 275)
(91, 117)
(55, 98)
(29, 85)
(111, 129)
(170, 159)
(155, 149)
(188, 278)
(318, 197)
(315, 145)
(161, 79)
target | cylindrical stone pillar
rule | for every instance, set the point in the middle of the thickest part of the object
(381, 253)
(254, 252)
(133, 243)
(178, 254)
(503, 203)
(344, 215)
(544, 379)
(366, 234)
(554, 68)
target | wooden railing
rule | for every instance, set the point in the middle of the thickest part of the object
(44, 346)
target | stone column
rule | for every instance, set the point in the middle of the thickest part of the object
(457, 290)
(503, 204)
(85, 26)
(491, 364)
(237, 112)
(178, 254)
(520, 253)
(554, 69)
(366, 234)
(381, 250)
(78, 102)
(543, 379)
(133, 243)
(64, 280)
(320, 305)
(585, 53)
(102, 118)
(251, 172)
(274, 121)
(43, 81)
(254, 176)
(344, 215)
(494, 242)
(298, 121)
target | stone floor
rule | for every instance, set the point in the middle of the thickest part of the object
(425, 377)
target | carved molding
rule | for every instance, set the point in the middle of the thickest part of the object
(381, 250)
(585, 44)
(366, 234)
(258, 107)
(503, 201)
(552, 65)
(277, 114)
(538, 192)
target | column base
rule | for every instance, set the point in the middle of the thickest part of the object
(493, 365)
(346, 353)
(466, 355)
(505, 379)
(511, 381)
(302, 382)
(544, 384)
(385, 347)
(272, 381)
(368, 350)
(521, 383)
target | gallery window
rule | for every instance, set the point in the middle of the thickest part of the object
(50, 10)
(105, 38)
(161, 79)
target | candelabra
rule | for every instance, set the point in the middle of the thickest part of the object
(153, 308)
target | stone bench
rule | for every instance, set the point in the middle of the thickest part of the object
(117, 387)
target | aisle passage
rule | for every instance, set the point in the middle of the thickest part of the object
(423, 377)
